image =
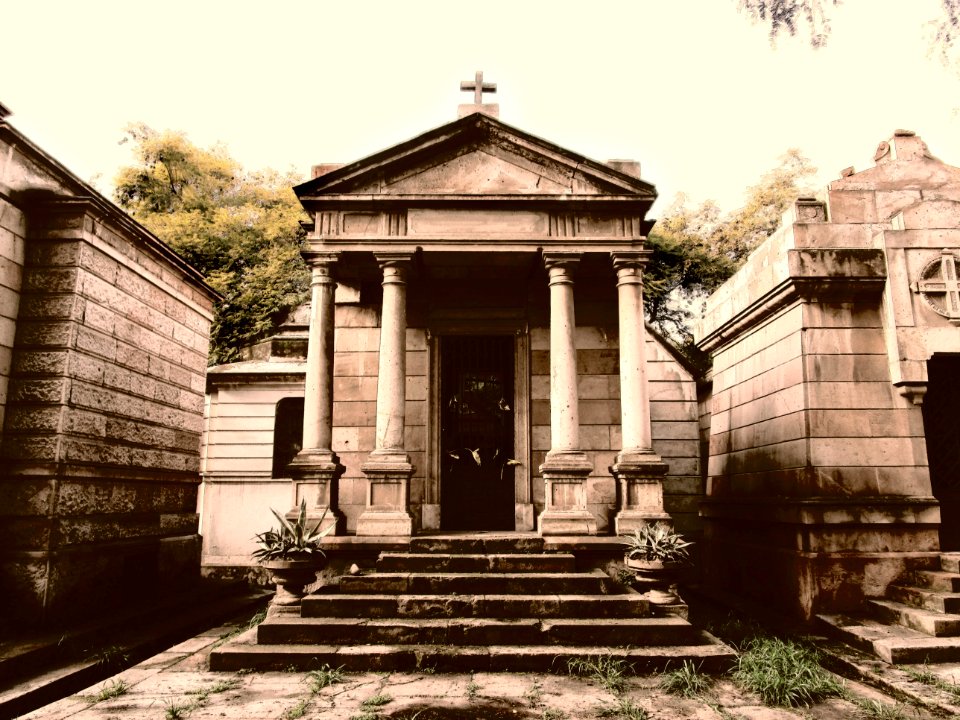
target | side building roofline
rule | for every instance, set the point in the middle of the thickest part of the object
(82, 191)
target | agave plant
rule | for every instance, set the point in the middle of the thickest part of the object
(656, 541)
(292, 540)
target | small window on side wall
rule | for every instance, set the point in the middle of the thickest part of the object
(287, 434)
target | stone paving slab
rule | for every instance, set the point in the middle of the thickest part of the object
(179, 682)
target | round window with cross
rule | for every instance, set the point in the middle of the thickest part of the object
(939, 286)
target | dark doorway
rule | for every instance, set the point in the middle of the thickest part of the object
(476, 433)
(942, 430)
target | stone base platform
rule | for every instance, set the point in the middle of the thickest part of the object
(471, 603)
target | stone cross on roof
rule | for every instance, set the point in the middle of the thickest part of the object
(478, 87)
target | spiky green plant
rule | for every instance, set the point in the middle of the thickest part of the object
(656, 541)
(292, 539)
(785, 673)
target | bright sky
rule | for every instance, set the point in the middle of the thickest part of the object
(687, 87)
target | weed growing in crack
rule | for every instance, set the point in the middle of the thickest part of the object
(298, 710)
(324, 677)
(928, 678)
(785, 673)
(242, 628)
(625, 709)
(472, 689)
(376, 701)
(551, 714)
(687, 681)
(108, 691)
(877, 710)
(606, 670)
(534, 696)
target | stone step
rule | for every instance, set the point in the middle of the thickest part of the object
(334, 604)
(476, 583)
(938, 580)
(638, 632)
(477, 544)
(943, 602)
(237, 655)
(929, 622)
(895, 644)
(477, 563)
(950, 562)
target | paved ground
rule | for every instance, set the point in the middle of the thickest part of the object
(176, 684)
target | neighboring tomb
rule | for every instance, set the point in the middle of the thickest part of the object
(825, 345)
(103, 351)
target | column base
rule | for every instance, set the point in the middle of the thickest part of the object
(315, 476)
(565, 474)
(640, 475)
(523, 517)
(388, 481)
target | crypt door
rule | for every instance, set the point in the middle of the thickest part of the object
(476, 432)
(941, 425)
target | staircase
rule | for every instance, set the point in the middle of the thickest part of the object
(918, 621)
(472, 603)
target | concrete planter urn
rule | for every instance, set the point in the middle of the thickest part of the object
(656, 579)
(292, 554)
(656, 555)
(292, 577)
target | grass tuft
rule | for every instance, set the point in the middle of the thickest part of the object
(376, 701)
(877, 710)
(625, 709)
(298, 710)
(324, 677)
(109, 691)
(608, 671)
(785, 673)
(249, 625)
(686, 681)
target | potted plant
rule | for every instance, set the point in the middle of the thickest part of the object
(292, 554)
(655, 554)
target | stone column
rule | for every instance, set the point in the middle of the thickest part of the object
(388, 467)
(566, 467)
(316, 467)
(637, 468)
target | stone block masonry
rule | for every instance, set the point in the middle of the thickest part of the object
(818, 468)
(102, 381)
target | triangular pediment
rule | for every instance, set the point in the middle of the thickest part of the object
(477, 155)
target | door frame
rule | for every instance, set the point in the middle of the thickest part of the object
(524, 520)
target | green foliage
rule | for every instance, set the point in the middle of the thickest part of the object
(696, 249)
(378, 700)
(879, 711)
(785, 673)
(240, 229)
(929, 678)
(686, 680)
(625, 709)
(257, 618)
(608, 671)
(656, 541)
(109, 691)
(298, 710)
(292, 539)
(324, 677)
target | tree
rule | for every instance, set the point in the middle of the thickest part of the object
(787, 15)
(240, 229)
(696, 250)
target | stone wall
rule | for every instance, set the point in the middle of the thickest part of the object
(12, 230)
(673, 411)
(104, 410)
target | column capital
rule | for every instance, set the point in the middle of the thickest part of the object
(560, 266)
(320, 258)
(394, 267)
(629, 265)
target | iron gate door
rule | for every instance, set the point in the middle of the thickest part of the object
(476, 432)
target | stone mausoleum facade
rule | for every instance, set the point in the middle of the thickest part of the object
(475, 358)
(103, 351)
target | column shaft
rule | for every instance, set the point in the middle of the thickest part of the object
(392, 372)
(318, 389)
